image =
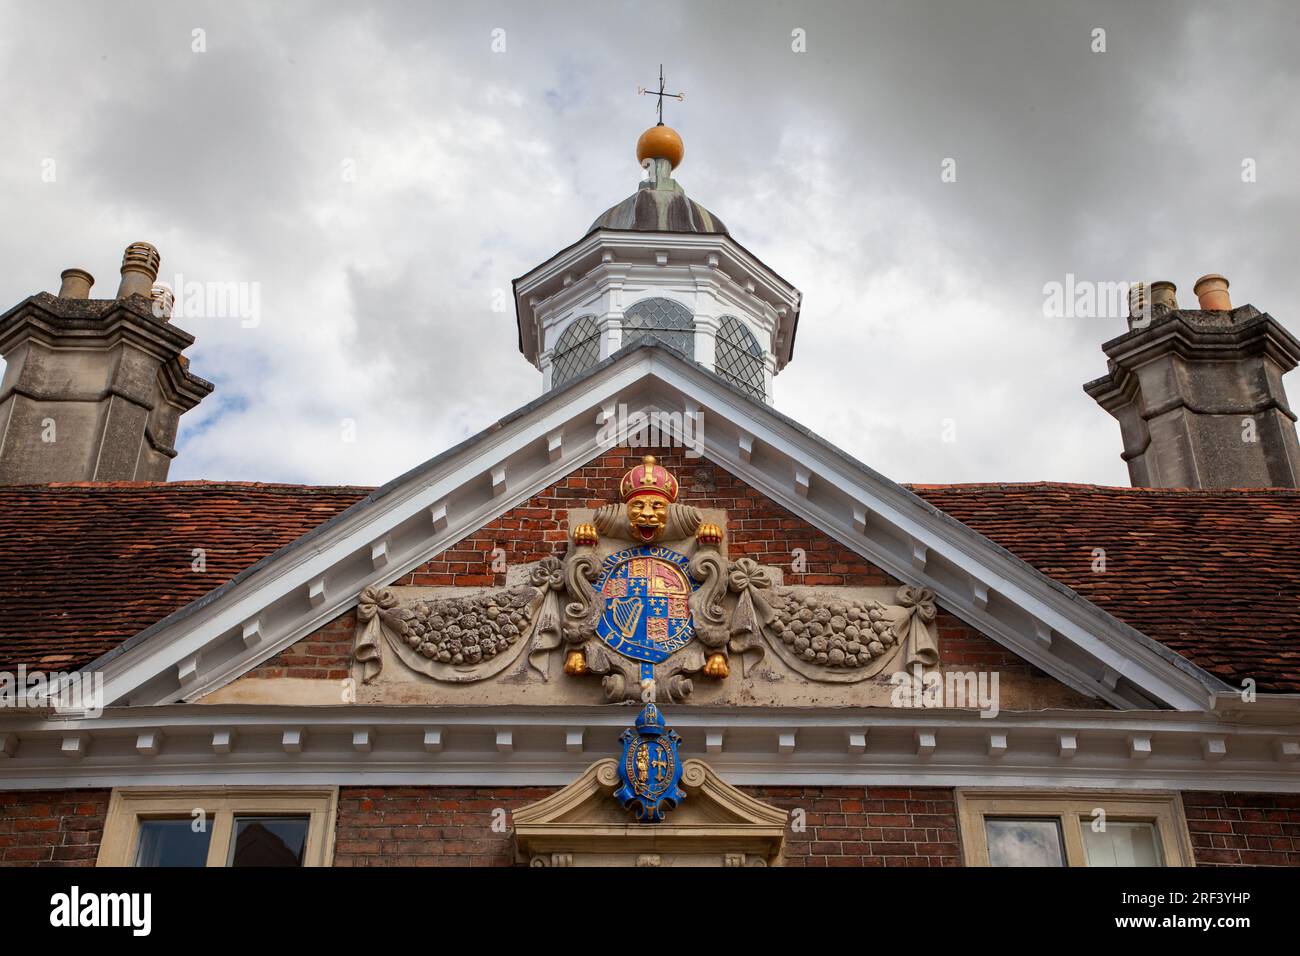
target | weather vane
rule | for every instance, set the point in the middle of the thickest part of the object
(661, 94)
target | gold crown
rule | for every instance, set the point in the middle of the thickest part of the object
(648, 478)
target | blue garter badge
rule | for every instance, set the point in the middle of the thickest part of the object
(646, 593)
(650, 769)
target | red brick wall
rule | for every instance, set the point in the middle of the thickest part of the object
(962, 647)
(452, 826)
(756, 526)
(869, 826)
(325, 654)
(1244, 829)
(51, 827)
(844, 826)
(427, 826)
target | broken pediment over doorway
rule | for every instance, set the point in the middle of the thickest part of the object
(585, 825)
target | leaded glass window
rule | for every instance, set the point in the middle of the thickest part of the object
(738, 357)
(663, 320)
(577, 350)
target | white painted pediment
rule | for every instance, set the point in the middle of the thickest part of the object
(290, 594)
(584, 825)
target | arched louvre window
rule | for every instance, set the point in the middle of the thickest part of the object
(577, 350)
(738, 357)
(662, 319)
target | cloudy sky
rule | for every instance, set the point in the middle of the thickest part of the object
(380, 173)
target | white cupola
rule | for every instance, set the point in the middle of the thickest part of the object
(658, 267)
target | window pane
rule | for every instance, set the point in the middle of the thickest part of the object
(268, 841)
(738, 357)
(1025, 842)
(663, 320)
(1122, 844)
(172, 843)
(577, 350)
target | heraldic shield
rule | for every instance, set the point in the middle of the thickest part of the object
(650, 770)
(646, 592)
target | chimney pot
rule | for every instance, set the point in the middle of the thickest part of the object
(1212, 292)
(139, 270)
(163, 301)
(1138, 296)
(76, 284)
(1164, 295)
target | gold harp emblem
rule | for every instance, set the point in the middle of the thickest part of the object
(625, 614)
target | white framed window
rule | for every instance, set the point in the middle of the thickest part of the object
(219, 826)
(1064, 828)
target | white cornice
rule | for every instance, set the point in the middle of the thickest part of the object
(226, 744)
(581, 296)
(547, 280)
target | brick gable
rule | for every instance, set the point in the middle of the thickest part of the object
(757, 527)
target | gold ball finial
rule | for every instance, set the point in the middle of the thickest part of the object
(660, 142)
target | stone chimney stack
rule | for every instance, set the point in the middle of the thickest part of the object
(94, 389)
(1198, 393)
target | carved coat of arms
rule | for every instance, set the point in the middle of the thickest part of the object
(643, 599)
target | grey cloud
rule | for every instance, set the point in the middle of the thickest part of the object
(475, 166)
